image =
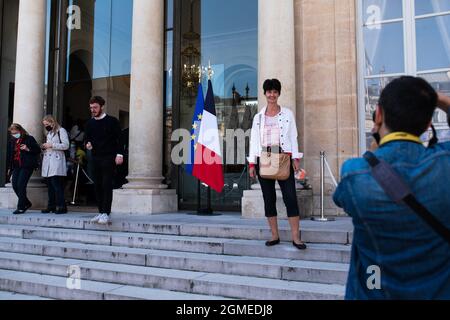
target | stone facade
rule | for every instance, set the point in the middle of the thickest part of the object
(315, 44)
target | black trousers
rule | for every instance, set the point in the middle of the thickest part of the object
(55, 187)
(104, 169)
(288, 190)
(20, 179)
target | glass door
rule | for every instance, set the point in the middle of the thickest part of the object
(223, 34)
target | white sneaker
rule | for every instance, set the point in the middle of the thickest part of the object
(104, 219)
(96, 218)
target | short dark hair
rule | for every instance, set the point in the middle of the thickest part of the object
(408, 104)
(272, 84)
(97, 99)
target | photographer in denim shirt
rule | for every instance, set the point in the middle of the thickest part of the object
(412, 260)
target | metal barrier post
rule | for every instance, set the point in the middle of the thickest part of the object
(322, 191)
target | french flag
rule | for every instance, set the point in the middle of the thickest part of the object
(208, 165)
(195, 130)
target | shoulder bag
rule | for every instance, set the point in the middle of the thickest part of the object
(273, 163)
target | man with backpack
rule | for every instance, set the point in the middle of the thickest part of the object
(399, 203)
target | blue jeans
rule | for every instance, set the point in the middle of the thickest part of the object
(20, 179)
(56, 192)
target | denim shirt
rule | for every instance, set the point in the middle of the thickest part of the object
(414, 261)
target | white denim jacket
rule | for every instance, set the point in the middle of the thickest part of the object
(288, 134)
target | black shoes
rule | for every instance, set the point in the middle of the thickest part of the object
(49, 210)
(272, 243)
(22, 211)
(61, 211)
(54, 210)
(301, 246)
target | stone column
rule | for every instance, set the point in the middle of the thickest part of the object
(30, 66)
(29, 86)
(327, 87)
(145, 193)
(276, 59)
(276, 52)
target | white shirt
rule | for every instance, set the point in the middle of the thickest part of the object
(288, 134)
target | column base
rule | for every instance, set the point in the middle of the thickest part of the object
(37, 194)
(144, 202)
(140, 183)
(253, 204)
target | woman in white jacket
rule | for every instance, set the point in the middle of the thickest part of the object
(274, 128)
(54, 166)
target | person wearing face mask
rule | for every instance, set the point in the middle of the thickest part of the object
(23, 151)
(54, 166)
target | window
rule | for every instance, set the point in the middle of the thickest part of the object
(401, 37)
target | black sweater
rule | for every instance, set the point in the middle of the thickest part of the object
(104, 135)
(28, 159)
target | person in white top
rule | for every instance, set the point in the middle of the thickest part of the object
(275, 128)
(54, 167)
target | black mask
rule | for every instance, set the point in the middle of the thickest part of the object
(48, 128)
(377, 137)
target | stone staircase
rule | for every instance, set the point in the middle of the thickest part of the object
(170, 257)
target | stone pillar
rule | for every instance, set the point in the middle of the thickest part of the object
(276, 59)
(30, 66)
(145, 193)
(29, 87)
(327, 89)
(276, 49)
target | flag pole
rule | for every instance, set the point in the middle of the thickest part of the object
(199, 197)
(199, 187)
(209, 207)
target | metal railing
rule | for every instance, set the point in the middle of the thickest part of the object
(323, 164)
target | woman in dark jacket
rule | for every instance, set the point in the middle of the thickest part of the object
(23, 159)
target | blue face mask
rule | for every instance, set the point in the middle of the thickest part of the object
(17, 135)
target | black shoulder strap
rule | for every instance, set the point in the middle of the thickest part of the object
(59, 136)
(396, 188)
(79, 133)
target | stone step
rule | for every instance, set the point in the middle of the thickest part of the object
(56, 287)
(12, 296)
(231, 286)
(315, 252)
(312, 232)
(283, 269)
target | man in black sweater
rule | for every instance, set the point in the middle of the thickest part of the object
(102, 136)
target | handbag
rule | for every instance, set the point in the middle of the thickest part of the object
(275, 166)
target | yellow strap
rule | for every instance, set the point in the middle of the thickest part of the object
(400, 136)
